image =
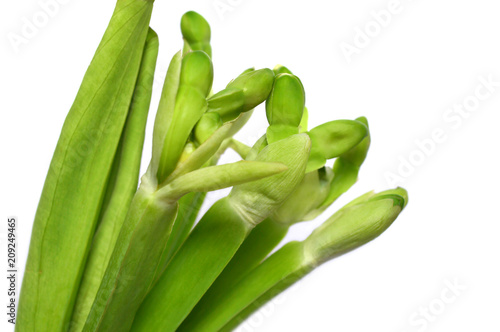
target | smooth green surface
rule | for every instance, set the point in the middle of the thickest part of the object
(189, 207)
(286, 103)
(196, 33)
(132, 266)
(346, 168)
(207, 125)
(195, 82)
(192, 270)
(121, 187)
(242, 94)
(66, 218)
(333, 139)
(259, 243)
(164, 115)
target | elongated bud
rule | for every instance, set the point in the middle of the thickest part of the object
(196, 33)
(195, 82)
(207, 125)
(243, 94)
(284, 107)
(346, 169)
(286, 102)
(333, 139)
(197, 71)
(354, 225)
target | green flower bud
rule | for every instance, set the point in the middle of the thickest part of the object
(333, 139)
(207, 125)
(195, 82)
(197, 71)
(242, 94)
(196, 33)
(286, 102)
(355, 224)
(346, 168)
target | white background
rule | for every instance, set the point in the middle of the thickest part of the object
(428, 58)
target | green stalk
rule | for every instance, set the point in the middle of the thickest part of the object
(351, 227)
(189, 207)
(66, 218)
(138, 250)
(122, 187)
(217, 237)
(120, 280)
(256, 247)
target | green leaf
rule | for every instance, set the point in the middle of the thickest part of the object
(121, 186)
(66, 217)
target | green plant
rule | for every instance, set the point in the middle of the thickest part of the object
(110, 254)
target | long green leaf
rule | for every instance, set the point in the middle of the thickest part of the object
(122, 186)
(72, 196)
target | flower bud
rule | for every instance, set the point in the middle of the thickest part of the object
(357, 223)
(197, 71)
(242, 94)
(196, 33)
(285, 105)
(333, 139)
(207, 125)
